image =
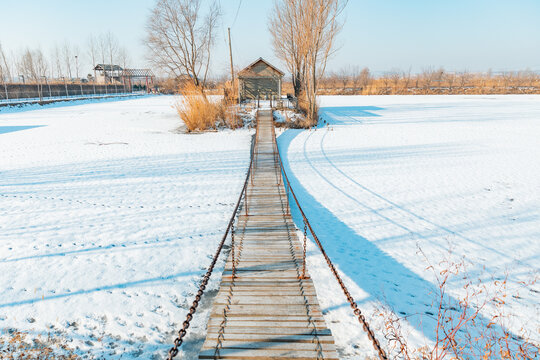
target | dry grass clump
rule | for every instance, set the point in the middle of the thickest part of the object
(199, 113)
(195, 110)
(18, 346)
(292, 119)
(431, 81)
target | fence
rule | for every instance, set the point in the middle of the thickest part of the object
(45, 91)
(280, 103)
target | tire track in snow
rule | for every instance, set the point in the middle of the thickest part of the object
(401, 209)
(365, 206)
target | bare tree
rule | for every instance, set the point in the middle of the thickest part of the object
(428, 76)
(123, 59)
(406, 79)
(180, 40)
(320, 26)
(450, 78)
(395, 78)
(439, 76)
(386, 80)
(102, 46)
(5, 73)
(343, 77)
(42, 68)
(464, 77)
(34, 67)
(92, 53)
(26, 66)
(334, 80)
(284, 26)
(364, 79)
(57, 61)
(112, 52)
(353, 78)
(67, 58)
(305, 41)
(76, 51)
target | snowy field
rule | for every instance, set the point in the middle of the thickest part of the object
(108, 219)
(389, 175)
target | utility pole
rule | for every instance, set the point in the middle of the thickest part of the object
(232, 67)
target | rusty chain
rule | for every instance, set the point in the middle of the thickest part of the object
(304, 258)
(173, 351)
(232, 249)
(350, 299)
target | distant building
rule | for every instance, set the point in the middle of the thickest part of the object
(130, 79)
(108, 73)
(259, 80)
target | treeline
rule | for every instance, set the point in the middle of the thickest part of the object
(356, 81)
(66, 62)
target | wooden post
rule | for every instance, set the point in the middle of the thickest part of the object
(65, 84)
(232, 67)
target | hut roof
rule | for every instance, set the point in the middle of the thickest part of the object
(249, 71)
(108, 67)
(137, 73)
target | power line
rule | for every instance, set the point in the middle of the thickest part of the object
(237, 11)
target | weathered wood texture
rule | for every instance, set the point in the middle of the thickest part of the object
(259, 80)
(264, 309)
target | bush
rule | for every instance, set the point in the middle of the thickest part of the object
(460, 331)
(200, 113)
(195, 110)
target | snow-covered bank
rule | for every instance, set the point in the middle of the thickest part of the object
(389, 173)
(17, 107)
(108, 219)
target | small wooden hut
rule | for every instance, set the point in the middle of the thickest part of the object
(259, 80)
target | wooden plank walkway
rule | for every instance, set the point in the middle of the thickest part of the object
(266, 311)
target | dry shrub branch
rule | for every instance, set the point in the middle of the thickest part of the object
(17, 345)
(461, 331)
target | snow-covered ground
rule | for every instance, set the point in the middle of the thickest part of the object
(108, 217)
(387, 175)
(108, 220)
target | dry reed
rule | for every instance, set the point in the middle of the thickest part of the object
(199, 113)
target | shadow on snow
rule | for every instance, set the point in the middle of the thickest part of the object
(8, 129)
(379, 274)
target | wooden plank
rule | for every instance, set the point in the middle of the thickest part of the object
(266, 354)
(265, 311)
(277, 331)
(275, 345)
(263, 300)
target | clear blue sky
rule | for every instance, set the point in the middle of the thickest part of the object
(381, 34)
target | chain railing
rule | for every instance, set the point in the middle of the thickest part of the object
(361, 318)
(173, 351)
